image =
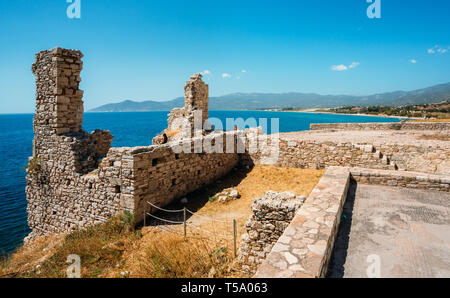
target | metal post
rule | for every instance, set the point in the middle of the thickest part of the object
(145, 214)
(234, 237)
(184, 221)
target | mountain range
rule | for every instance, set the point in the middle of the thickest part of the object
(259, 101)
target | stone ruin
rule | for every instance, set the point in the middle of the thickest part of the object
(272, 214)
(76, 179)
(190, 120)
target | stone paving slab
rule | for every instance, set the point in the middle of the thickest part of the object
(305, 247)
(409, 229)
(375, 137)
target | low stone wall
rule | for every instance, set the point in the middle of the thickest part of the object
(320, 155)
(383, 126)
(61, 200)
(417, 158)
(305, 247)
(272, 213)
(162, 175)
(402, 179)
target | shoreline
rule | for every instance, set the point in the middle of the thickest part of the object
(312, 111)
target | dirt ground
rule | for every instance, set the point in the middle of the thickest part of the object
(215, 218)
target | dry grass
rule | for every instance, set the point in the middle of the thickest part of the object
(114, 249)
(29, 256)
(164, 254)
(437, 136)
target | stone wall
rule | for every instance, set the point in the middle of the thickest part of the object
(272, 213)
(383, 126)
(315, 154)
(162, 175)
(320, 155)
(305, 247)
(402, 179)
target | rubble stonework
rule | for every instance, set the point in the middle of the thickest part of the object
(272, 214)
(76, 179)
(196, 101)
(384, 150)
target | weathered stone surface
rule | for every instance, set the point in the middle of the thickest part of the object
(302, 246)
(272, 213)
(80, 180)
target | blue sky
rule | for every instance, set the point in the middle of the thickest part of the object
(146, 50)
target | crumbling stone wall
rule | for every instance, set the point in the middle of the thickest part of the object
(320, 155)
(76, 179)
(196, 100)
(272, 214)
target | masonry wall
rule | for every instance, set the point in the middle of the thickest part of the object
(314, 155)
(162, 175)
(383, 126)
(272, 214)
(320, 155)
(76, 179)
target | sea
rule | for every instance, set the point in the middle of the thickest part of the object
(129, 129)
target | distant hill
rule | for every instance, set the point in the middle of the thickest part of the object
(257, 101)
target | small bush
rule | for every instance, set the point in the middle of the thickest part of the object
(33, 166)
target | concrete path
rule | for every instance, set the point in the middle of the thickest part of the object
(407, 231)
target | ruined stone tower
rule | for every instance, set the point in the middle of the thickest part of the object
(59, 112)
(62, 151)
(59, 105)
(196, 101)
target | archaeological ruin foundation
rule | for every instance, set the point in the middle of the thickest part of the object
(75, 179)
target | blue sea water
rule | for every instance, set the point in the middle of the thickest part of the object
(128, 129)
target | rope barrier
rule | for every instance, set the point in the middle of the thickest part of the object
(186, 224)
(165, 210)
(166, 220)
(191, 212)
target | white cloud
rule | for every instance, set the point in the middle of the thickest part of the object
(226, 76)
(437, 49)
(340, 67)
(244, 71)
(354, 65)
(206, 72)
(413, 61)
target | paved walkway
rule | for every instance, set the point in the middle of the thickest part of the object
(375, 137)
(408, 229)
